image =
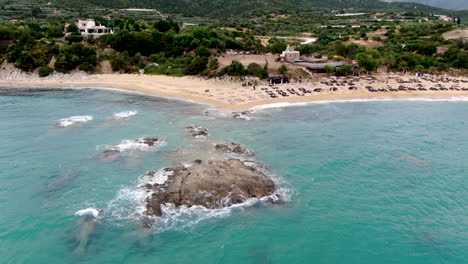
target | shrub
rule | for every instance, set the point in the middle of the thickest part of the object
(283, 69)
(254, 69)
(202, 52)
(74, 39)
(235, 69)
(197, 66)
(87, 67)
(44, 71)
(26, 61)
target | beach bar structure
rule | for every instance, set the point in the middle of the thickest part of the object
(317, 67)
(290, 54)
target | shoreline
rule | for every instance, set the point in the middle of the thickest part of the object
(232, 96)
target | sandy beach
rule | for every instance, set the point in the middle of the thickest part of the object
(238, 96)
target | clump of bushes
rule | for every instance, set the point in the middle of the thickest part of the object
(44, 71)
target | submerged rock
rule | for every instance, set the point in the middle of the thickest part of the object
(245, 115)
(141, 144)
(109, 155)
(215, 184)
(149, 141)
(197, 131)
(233, 147)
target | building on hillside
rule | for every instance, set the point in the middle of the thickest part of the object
(445, 18)
(88, 27)
(290, 54)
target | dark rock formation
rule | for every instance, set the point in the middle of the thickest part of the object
(149, 141)
(109, 155)
(233, 147)
(245, 115)
(114, 152)
(197, 131)
(215, 184)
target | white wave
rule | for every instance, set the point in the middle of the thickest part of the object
(88, 211)
(73, 120)
(379, 99)
(130, 203)
(123, 115)
(132, 144)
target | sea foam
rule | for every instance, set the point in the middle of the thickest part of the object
(132, 144)
(73, 121)
(379, 99)
(124, 115)
(88, 211)
(130, 202)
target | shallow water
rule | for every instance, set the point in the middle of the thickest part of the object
(370, 182)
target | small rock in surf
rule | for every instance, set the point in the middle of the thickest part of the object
(197, 131)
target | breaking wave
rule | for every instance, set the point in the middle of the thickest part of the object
(73, 121)
(132, 144)
(380, 99)
(130, 202)
(88, 211)
(124, 115)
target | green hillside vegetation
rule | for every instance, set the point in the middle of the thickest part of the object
(215, 8)
(164, 48)
(451, 4)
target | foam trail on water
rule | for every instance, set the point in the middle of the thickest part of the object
(130, 202)
(73, 121)
(132, 144)
(124, 115)
(382, 99)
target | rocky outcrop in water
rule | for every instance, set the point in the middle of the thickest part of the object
(114, 152)
(151, 141)
(245, 115)
(197, 131)
(212, 184)
(233, 148)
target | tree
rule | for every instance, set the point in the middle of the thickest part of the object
(329, 69)
(25, 61)
(255, 69)
(44, 71)
(283, 69)
(419, 68)
(235, 69)
(73, 28)
(37, 12)
(55, 31)
(120, 62)
(75, 55)
(197, 66)
(202, 52)
(367, 61)
(276, 45)
(344, 70)
(403, 66)
(213, 64)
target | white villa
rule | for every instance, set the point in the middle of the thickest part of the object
(290, 54)
(89, 28)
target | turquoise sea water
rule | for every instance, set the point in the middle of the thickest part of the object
(369, 182)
